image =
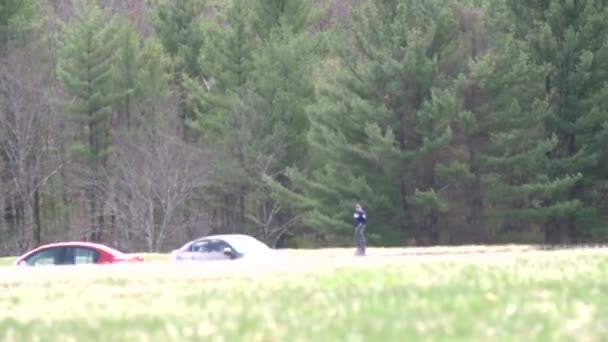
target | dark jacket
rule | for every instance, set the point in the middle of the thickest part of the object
(359, 217)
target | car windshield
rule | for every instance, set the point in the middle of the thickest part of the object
(246, 244)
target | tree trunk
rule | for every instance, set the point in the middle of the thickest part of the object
(92, 199)
(37, 218)
(151, 226)
(473, 195)
(65, 221)
(22, 240)
(556, 231)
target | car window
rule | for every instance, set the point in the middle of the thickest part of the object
(83, 255)
(209, 246)
(247, 244)
(47, 256)
(200, 247)
(218, 246)
(67, 256)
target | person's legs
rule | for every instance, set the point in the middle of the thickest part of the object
(358, 250)
(363, 240)
(360, 239)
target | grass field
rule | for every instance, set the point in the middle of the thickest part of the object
(6, 261)
(437, 294)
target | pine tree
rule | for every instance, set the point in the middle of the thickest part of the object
(283, 84)
(254, 105)
(297, 15)
(140, 78)
(282, 78)
(17, 18)
(593, 135)
(153, 83)
(179, 27)
(510, 188)
(569, 36)
(126, 75)
(283, 69)
(85, 72)
(374, 132)
(228, 59)
(219, 118)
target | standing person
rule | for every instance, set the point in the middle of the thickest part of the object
(359, 221)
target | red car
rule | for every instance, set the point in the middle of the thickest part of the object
(74, 253)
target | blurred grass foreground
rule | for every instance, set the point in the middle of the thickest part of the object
(496, 296)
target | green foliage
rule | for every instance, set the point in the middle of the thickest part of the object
(180, 30)
(179, 27)
(225, 108)
(253, 104)
(569, 37)
(125, 78)
(456, 172)
(294, 16)
(228, 59)
(140, 78)
(153, 79)
(17, 18)
(459, 121)
(376, 127)
(85, 71)
(513, 162)
(427, 202)
(230, 55)
(282, 77)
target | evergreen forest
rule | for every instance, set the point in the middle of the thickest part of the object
(143, 124)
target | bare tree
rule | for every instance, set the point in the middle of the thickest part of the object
(24, 141)
(153, 180)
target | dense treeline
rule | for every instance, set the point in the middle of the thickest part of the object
(142, 124)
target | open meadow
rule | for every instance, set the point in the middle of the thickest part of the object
(510, 293)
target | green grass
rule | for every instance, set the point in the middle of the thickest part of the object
(153, 257)
(515, 296)
(7, 261)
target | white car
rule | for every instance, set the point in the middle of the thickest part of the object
(221, 247)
